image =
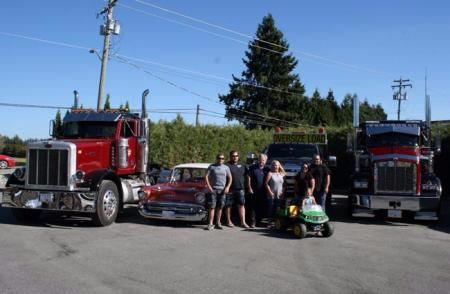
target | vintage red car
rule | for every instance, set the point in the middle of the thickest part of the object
(6, 161)
(183, 197)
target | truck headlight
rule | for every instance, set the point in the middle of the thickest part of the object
(141, 194)
(19, 173)
(79, 176)
(360, 184)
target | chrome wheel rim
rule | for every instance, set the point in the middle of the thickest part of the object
(109, 203)
(3, 164)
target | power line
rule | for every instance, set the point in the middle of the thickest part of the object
(125, 61)
(204, 74)
(152, 110)
(45, 41)
(307, 54)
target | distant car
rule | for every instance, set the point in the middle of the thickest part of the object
(182, 197)
(6, 161)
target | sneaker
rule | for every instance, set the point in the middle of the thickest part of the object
(252, 226)
(219, 227)
(209, 227)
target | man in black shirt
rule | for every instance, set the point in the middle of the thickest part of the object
(237, 192)
(321, 175)
(257, 194)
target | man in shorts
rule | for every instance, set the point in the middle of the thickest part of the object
(237, 192)
(218, 180)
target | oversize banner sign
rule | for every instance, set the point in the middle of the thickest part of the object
(300, 138)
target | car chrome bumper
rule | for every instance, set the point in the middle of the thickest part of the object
(49, 200)
(411, 203)
(172, 211)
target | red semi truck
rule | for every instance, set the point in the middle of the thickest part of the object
(393, 173)
(97, 165)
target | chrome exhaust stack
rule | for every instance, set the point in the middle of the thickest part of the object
(143, 140)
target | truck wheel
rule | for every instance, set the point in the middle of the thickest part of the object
(107, 204)
(26, 215)
(280, 224)
(299, 230)
(3, 164)
(328, 229)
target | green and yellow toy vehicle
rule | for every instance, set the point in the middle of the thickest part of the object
(310, 218)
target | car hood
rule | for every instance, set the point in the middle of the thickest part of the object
(176, 191)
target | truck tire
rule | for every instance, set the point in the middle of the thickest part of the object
(26, 215)
(107, 204)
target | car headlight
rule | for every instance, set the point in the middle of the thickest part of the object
(200, 197)
(360, 184)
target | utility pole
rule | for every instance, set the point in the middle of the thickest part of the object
(399, 95)
(197, 122)
(110, 27)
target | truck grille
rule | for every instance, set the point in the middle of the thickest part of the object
(395, 177)
(48, 167)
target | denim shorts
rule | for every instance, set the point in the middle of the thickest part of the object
(235, 197)
(216, 199)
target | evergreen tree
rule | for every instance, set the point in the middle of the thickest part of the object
(107, 103)
(58, 128)
(332, 109)
(267, 86)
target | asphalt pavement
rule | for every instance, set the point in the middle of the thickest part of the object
(66, 254)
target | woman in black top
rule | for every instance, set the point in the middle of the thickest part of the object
(303, 181)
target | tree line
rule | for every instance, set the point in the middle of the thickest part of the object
(269, 92)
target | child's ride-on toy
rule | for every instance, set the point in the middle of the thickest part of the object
(309, 219)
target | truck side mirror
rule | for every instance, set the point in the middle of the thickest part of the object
(332, 161)
(437, 143)
(251, 158)
(51, 128)
(349, 142)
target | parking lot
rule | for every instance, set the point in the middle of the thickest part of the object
(65, 254)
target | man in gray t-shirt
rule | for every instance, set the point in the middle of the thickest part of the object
(218, 179)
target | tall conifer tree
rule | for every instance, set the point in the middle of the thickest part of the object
(268, 85)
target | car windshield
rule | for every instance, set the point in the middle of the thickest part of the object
(392, 139)
(188, 174)
(89, 129)
(291, 150)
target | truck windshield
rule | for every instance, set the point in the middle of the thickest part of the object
(86, 129)
(291, 150)
(392, 139)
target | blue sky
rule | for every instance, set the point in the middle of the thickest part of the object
(360, 47)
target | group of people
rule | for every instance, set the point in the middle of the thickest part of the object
(258, 189)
